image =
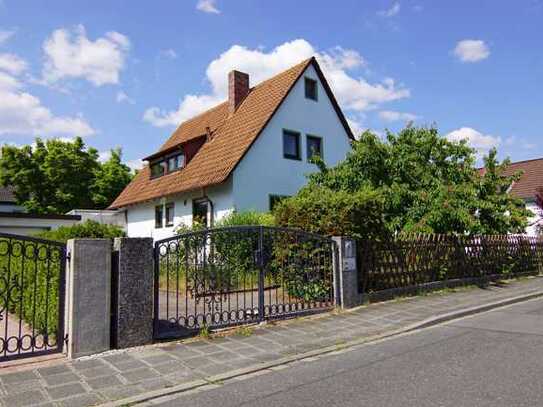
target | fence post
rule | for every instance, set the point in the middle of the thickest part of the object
(88, 294)
(346, 275)
(133, 283)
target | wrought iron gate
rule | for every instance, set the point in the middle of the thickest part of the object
(225, 276)
(32, 284)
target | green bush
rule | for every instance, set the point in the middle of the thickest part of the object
(248, 218)
(334, 213)
(87, 229)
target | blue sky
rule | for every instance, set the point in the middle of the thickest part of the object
(123, 73)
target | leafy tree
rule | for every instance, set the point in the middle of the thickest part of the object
(55, 176)
(427, 183)
(110, 179)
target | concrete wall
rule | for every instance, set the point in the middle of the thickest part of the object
(30, 226)
(141, 218)
(264, 171)
(105, 217)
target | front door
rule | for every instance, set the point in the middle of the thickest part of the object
(200, 210)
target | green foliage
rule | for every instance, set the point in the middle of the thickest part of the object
(110, 179)
(55, 176)
(334, 213)
(33, 270)
(87, 229)
(248, 218)
(414, 181)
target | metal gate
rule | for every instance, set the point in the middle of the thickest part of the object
(32, 285)
(235, 275)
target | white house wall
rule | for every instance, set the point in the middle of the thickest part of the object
(264, 171)
(535, 220)
(141, 218)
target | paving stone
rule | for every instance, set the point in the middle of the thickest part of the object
(155, 384)
(266, 357)
(198, 361)
(223, 356)
(128, 364)
(23, 386)
(83, 400)
(68, 390)
(58, 379)
(212, 370)
(53, 370)
(28, 398)
(136, 376)
(98, 371)
(121, 392)
(18, 377)
(185, 353)
(158, 359)
(87, 364)
(171, 367)
(103, 382)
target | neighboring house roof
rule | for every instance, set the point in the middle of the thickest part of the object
(7, 195)
(531, 179)
(231, 135)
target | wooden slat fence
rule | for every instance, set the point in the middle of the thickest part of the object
(414, 260)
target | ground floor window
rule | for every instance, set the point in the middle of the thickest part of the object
(159, 216)
(200, 209)
(170, 211)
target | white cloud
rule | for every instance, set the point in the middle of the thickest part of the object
(23, 113)
(392, 116)
(353, 93)
(471, 50)
(207, 6)
(135, 164)
(70, 54)
(12, 63)
(122, 97)
(5, 35)
(391, 12)
(475, 139)
(168, 53)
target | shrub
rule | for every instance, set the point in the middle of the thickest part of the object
(249, 218)
(87, 229)
(334, 213)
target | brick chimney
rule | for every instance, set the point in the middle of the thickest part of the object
(238, 88)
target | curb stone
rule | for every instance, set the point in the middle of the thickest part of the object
(426, 323)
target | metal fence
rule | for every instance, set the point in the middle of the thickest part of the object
(416, 260)
(225, 276)
(32, 284)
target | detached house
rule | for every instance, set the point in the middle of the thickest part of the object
(528, 188)
(246, 153)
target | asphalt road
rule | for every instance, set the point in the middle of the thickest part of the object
(492, 359)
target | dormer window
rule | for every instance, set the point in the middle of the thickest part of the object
(170, 163)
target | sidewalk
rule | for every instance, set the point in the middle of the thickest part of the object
(120, 375)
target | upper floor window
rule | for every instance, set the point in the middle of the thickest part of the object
(168, 164)
(314, 147)
(158, 169)
(311, 89)
(291, 145)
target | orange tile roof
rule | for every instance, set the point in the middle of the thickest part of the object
(232, 136)
(531, 179)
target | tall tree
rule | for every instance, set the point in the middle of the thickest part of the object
(55, 176)
(111, 178)
(429, 184)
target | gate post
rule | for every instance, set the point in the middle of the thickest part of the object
(88, 295)
(346, 274)
(133, 283)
